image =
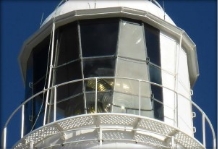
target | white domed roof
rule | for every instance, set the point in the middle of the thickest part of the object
(144, 5)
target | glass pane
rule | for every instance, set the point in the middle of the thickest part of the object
(127, 86)
(68, 49)
(104, 95)
(131, 69)
(70, 107)
(98, 67)
(90, 103)
(69, 72)
(126, 101)
(29, 78)
(145, 96)
(129, 97)
(152, 36)
(102, 84)
(99, 37)
(157, 92)
(35, 82)
(131, 41)
(40, 52)
(126, 96)
(155, 74)
(34, 113)
(65, 92)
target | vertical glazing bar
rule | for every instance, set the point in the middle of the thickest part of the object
(203, 129)
(4, 141)
(55, 102)
(22, 122)
(96, 93)
(81, 57)
(139, 97)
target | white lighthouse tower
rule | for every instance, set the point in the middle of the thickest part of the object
(109, 74)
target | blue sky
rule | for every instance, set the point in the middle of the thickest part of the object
(20, 19)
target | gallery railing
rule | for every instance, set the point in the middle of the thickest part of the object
(98, 95)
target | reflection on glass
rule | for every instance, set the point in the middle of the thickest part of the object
(70, 107)
(131, 69)
(104, 95)
(102, 84)
(131, 40)
(99, 37)
(98, 67)
(69, 72)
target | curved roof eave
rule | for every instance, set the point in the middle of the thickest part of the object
(151, 6)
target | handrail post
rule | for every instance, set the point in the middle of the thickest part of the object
(96, 89)
(177, 110)
(31, 144)
(4, 138)
(172, 142)
(214, 143)
(100, 136)
(55, 103)
(203, 129)
(22, 121)
(139, 97)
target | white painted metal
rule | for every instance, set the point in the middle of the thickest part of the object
(184, 106)
(22, 121)
(4, 140)
(50, 71)
(175, 72)
(96, 94)
(115, 129)
(55, 104)
(145, 5)
(203, 128)
(139, 97)
(168, 50)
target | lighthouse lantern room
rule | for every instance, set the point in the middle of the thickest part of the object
(109, 74)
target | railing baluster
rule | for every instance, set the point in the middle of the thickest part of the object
(55, 102)
(5, 138)
(96, 90)
(22, 122)
(214, 143)
(203, 129)
(139, 97)
(31, 144)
